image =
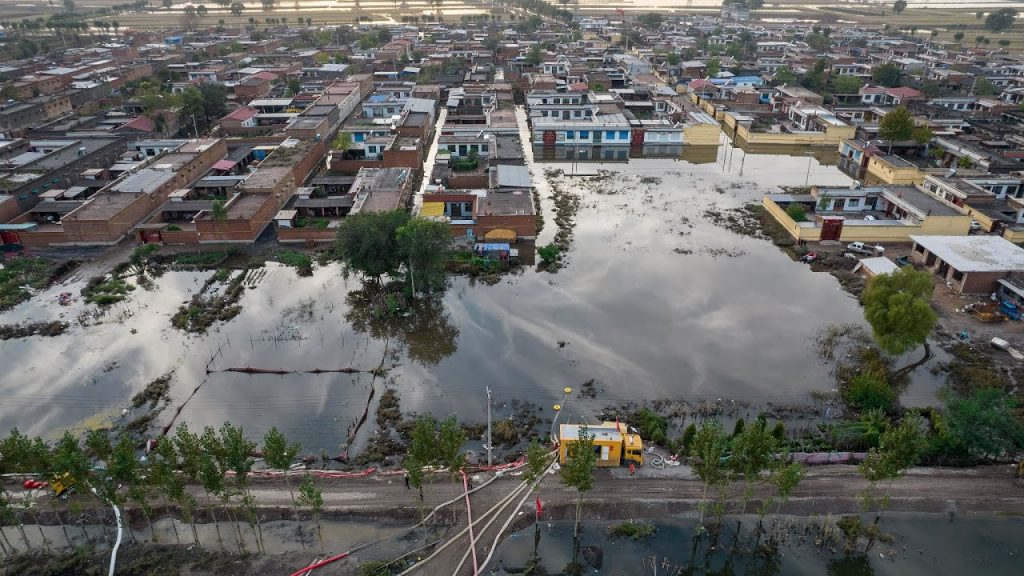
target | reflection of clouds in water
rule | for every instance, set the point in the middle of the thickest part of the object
(646, 324)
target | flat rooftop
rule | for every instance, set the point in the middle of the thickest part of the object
(975, 253)
(510, 203)
(926, 203)
(102, 206)
(147, 180)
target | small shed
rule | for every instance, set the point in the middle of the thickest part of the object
(285, 218)
(871, 267)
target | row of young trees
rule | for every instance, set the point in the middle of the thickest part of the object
(219, 461)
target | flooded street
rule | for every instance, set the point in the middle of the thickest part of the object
(655, 301)
(922, 544)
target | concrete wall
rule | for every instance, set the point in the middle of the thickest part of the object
(315, 235)
(852, 231)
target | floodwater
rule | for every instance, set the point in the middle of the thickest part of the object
(922, 544)
(655, 301)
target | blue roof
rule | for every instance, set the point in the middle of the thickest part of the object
(378, 98)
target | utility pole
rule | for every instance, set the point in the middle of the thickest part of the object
(194, 127)
(488, 426)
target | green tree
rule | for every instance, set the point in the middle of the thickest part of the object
(533, 57)
(887, 74)
(713, 67)
(219, 211)
(237, 453)
(983, 87)
(707, 453)
(537, 461)
(983, 424)
(424, 246)
(237, 8)
(846, 84)
(922, 135)
(899, 6)
(785, 75)
(192, 460)
(896, 126)
(311, 497)
(279, 454)
(797, 212)
(201, 10)
(959, 36)
(1001, 19)
(578, 471)
(897, 306)
(651, 20)
(367, 243)
(752, 453)
(900, 448)
(978, 40)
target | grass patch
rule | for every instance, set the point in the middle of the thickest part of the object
(632, 530)
(20, 276)
(104, 291)
(302, 263)
(14, 331)
(204, 309)
(201, 260)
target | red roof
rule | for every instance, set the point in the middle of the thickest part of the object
(579, 87)
(265, 76)
(903, 92)
(142, 124)
(241, 114)
(700, 83)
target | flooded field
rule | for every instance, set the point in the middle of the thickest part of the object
(921, 544)
(655, 300)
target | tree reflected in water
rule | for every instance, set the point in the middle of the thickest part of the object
(850, 566)
(420, 325)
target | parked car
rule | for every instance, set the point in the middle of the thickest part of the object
(862, 248)
(975, 226)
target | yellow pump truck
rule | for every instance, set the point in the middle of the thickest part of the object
(614, 444)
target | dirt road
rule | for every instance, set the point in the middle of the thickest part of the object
(835, 489)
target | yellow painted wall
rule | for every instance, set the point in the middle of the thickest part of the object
(883, 172)
(702, 135)
(932, 226)
(830, 137)
(791, 226)
(986, 221)
(1015, 235)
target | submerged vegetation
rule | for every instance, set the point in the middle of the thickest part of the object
(20, 276)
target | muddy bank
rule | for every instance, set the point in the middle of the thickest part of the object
(24, 330)
(150, 560)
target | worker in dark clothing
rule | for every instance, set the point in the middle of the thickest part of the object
(407, 487)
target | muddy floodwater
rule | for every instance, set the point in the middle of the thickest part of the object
(655, 301)
(921, 545)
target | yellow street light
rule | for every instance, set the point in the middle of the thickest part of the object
(557, 407)
(568, 390)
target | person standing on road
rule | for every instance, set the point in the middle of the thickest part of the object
(407, 487)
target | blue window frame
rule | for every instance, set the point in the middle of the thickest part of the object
(584, 134)
(570, 135)
(623, 135)
(609, 135)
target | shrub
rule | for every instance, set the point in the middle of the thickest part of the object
(869, 391)
(653, 427)
(797, 212)
(632, 530)
(549, 254)
(173, 228)
(302, 263)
